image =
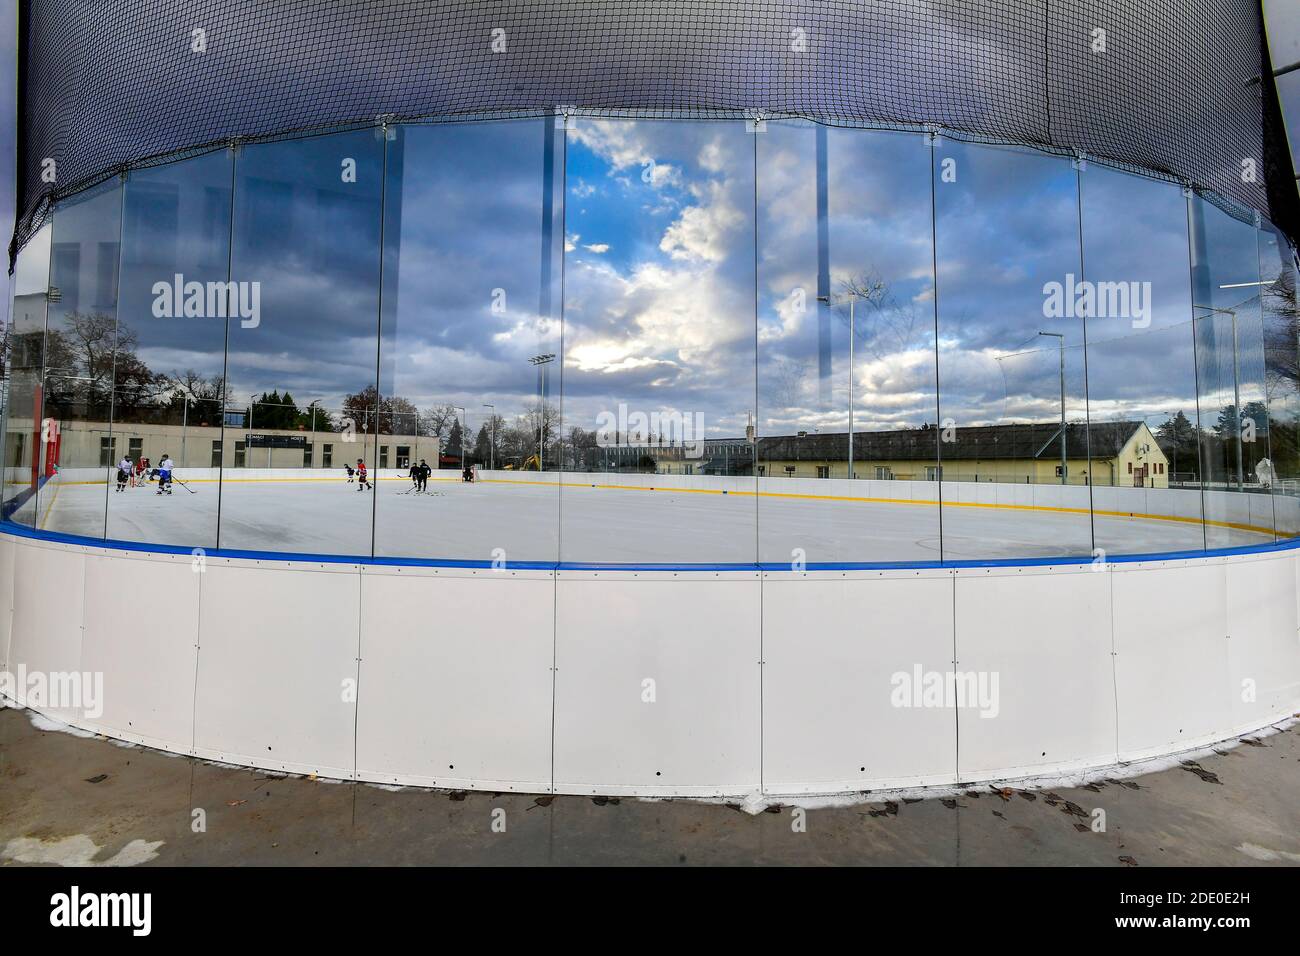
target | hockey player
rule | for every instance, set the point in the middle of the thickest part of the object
(363, 483)
(351, 473)
(165, 467)
(415, 474)
(124, 470)
(425, 472)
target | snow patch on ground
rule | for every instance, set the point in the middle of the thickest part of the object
(79, 850)
(41, 722)
(1265, 855)
(756, 802)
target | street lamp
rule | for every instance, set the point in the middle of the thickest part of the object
(464, 426)
(1061, 340)
(1236, 366)
(492, 444)
(1236, 388)
(311, 406)
(185, 416)
(541, 361)
(854, 295)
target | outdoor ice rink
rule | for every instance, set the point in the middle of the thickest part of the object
(602, 519)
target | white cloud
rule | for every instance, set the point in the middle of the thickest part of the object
(623, 146)
(711, 157)
(682, 318)
(619, 144)
(704, 232)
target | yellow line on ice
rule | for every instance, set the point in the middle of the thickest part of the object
(1237, 526)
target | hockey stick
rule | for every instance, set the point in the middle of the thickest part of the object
(185, 486)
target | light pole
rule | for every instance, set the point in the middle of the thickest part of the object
(853, 295)
(1236, 366)
(464, 425)
(492, 442)
(185, 417)
(541, 361)
(1236, 387)
(248, 453)
(312, 406)
(1060, 337)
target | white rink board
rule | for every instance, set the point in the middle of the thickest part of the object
(6, 597)
(446, 701)
(831, 645)
(697, 638)
(47, 620)
(443, 700)
(1264, 643)
(1045, 633)
(144, 640)
(276, 644)
(1171, 647)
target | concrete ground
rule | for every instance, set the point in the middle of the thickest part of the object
(66, 800)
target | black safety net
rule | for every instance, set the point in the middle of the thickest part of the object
(1174, 87)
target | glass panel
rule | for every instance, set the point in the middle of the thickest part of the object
(472, 230)
(25, 467)
(1142, 434)
(168, 379)
(1288, 93)
(303, 344)
(659, 347)
(1282, 377)
(1011, 363)
(844, 233)
(80, 354)
(1230, 376)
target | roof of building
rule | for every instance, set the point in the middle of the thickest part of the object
(1028, 441)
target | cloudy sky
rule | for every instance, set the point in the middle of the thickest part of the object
(683, 274)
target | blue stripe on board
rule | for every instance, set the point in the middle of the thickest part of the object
(20, 499)
(22, 531)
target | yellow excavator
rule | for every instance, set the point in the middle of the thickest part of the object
(530, 464)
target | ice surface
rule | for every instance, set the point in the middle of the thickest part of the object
(532, 519)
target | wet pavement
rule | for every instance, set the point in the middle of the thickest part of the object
(68, 799)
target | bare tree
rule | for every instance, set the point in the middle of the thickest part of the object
(435, 422)
(882, 325)
(1282, 334)
(87, 357)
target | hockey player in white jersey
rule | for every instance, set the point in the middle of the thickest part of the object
(165, 474)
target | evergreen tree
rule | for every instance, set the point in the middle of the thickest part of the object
(453, 440)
